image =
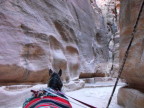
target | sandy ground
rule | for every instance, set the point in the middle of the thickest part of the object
(96, 95)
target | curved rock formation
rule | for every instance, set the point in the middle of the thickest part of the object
(40, 34)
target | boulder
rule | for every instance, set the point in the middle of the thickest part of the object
(130, 98)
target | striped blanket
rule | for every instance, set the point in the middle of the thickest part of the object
(47, 98)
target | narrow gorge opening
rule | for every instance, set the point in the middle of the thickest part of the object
(109, 10)
(86, 39)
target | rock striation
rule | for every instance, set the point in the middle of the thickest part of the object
(37, 35)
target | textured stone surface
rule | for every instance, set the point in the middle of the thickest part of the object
(134, 67)
(110, 11)
(130, 98)
(133, 72)
(37, 35)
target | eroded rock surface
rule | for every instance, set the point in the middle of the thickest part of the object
(134, 68)
(130, 98)
(133, 71)
(37, 35)
(110, 10)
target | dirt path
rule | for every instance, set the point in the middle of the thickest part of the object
(96, 95)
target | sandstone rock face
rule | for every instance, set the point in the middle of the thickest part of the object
(134, 68)
(133, 71)
(37, 35)
(110, 11)
(130, 98)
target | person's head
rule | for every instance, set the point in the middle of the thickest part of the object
(55, 80)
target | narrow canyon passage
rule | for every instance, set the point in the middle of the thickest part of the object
(86, 39)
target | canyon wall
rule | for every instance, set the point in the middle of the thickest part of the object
(38, 35)
(110, 11)
(132, 96)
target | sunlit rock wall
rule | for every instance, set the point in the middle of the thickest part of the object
(36, 35)
(133, 71)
